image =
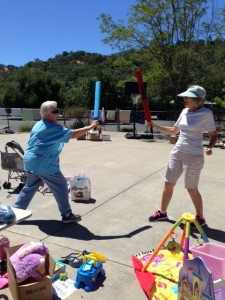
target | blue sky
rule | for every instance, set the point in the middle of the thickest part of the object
(31, 29)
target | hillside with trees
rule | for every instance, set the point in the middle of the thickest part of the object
(171, 42)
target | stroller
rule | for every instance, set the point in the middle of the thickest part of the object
(13, 162)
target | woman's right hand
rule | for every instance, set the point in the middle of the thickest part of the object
(94, 124)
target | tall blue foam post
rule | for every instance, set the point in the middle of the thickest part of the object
(97, 99)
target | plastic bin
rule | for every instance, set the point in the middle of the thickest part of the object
(213, 256)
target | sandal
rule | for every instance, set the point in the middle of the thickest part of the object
(76, 262)
(66, 259)
(73, 259)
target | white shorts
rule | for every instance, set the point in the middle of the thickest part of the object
(190, 164)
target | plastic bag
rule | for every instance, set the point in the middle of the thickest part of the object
(80, 187)
(7, 215)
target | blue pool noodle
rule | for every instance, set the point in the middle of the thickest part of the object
(97, 99)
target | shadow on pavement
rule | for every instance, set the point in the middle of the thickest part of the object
(76, 230)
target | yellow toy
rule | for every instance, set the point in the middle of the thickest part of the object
(63, 276)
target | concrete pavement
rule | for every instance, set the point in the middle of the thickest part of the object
(127, 180)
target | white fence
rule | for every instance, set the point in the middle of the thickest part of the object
(27, 114)
(14, 112)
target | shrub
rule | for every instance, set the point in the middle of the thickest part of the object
(76, 112)
(125, 129)
(77, 124)
(26, 128)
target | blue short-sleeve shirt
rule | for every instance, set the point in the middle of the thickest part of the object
(44, 147)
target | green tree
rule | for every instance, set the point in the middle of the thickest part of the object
(29, 87)
(166, 32)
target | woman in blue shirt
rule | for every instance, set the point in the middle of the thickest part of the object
(41, 160)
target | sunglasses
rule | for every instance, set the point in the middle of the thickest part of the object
(55, 112)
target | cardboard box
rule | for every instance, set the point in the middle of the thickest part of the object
(60, 267)
(31, 289)
(105, 137)
(95, 137)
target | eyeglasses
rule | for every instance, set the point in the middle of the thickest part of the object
(55, 112)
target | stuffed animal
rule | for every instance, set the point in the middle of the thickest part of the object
(27, 259)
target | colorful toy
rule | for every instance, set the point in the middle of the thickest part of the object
(195, 281)
(63, 276)
(60, 268)
(173, 246)
(187, 219)
(89, 272)
(158, 271)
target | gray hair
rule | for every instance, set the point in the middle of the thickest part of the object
(199, 101)
(47, 107)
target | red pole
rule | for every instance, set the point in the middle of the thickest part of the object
(143, 95)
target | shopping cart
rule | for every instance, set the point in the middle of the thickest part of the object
(12, 160)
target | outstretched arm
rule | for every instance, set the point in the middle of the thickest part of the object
(79, 132)
(165, 129)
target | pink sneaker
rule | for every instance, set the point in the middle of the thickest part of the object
(158, 216)
(201, 220)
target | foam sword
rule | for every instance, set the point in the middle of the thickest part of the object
(97, 99)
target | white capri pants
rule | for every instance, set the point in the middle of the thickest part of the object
(190, 164)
